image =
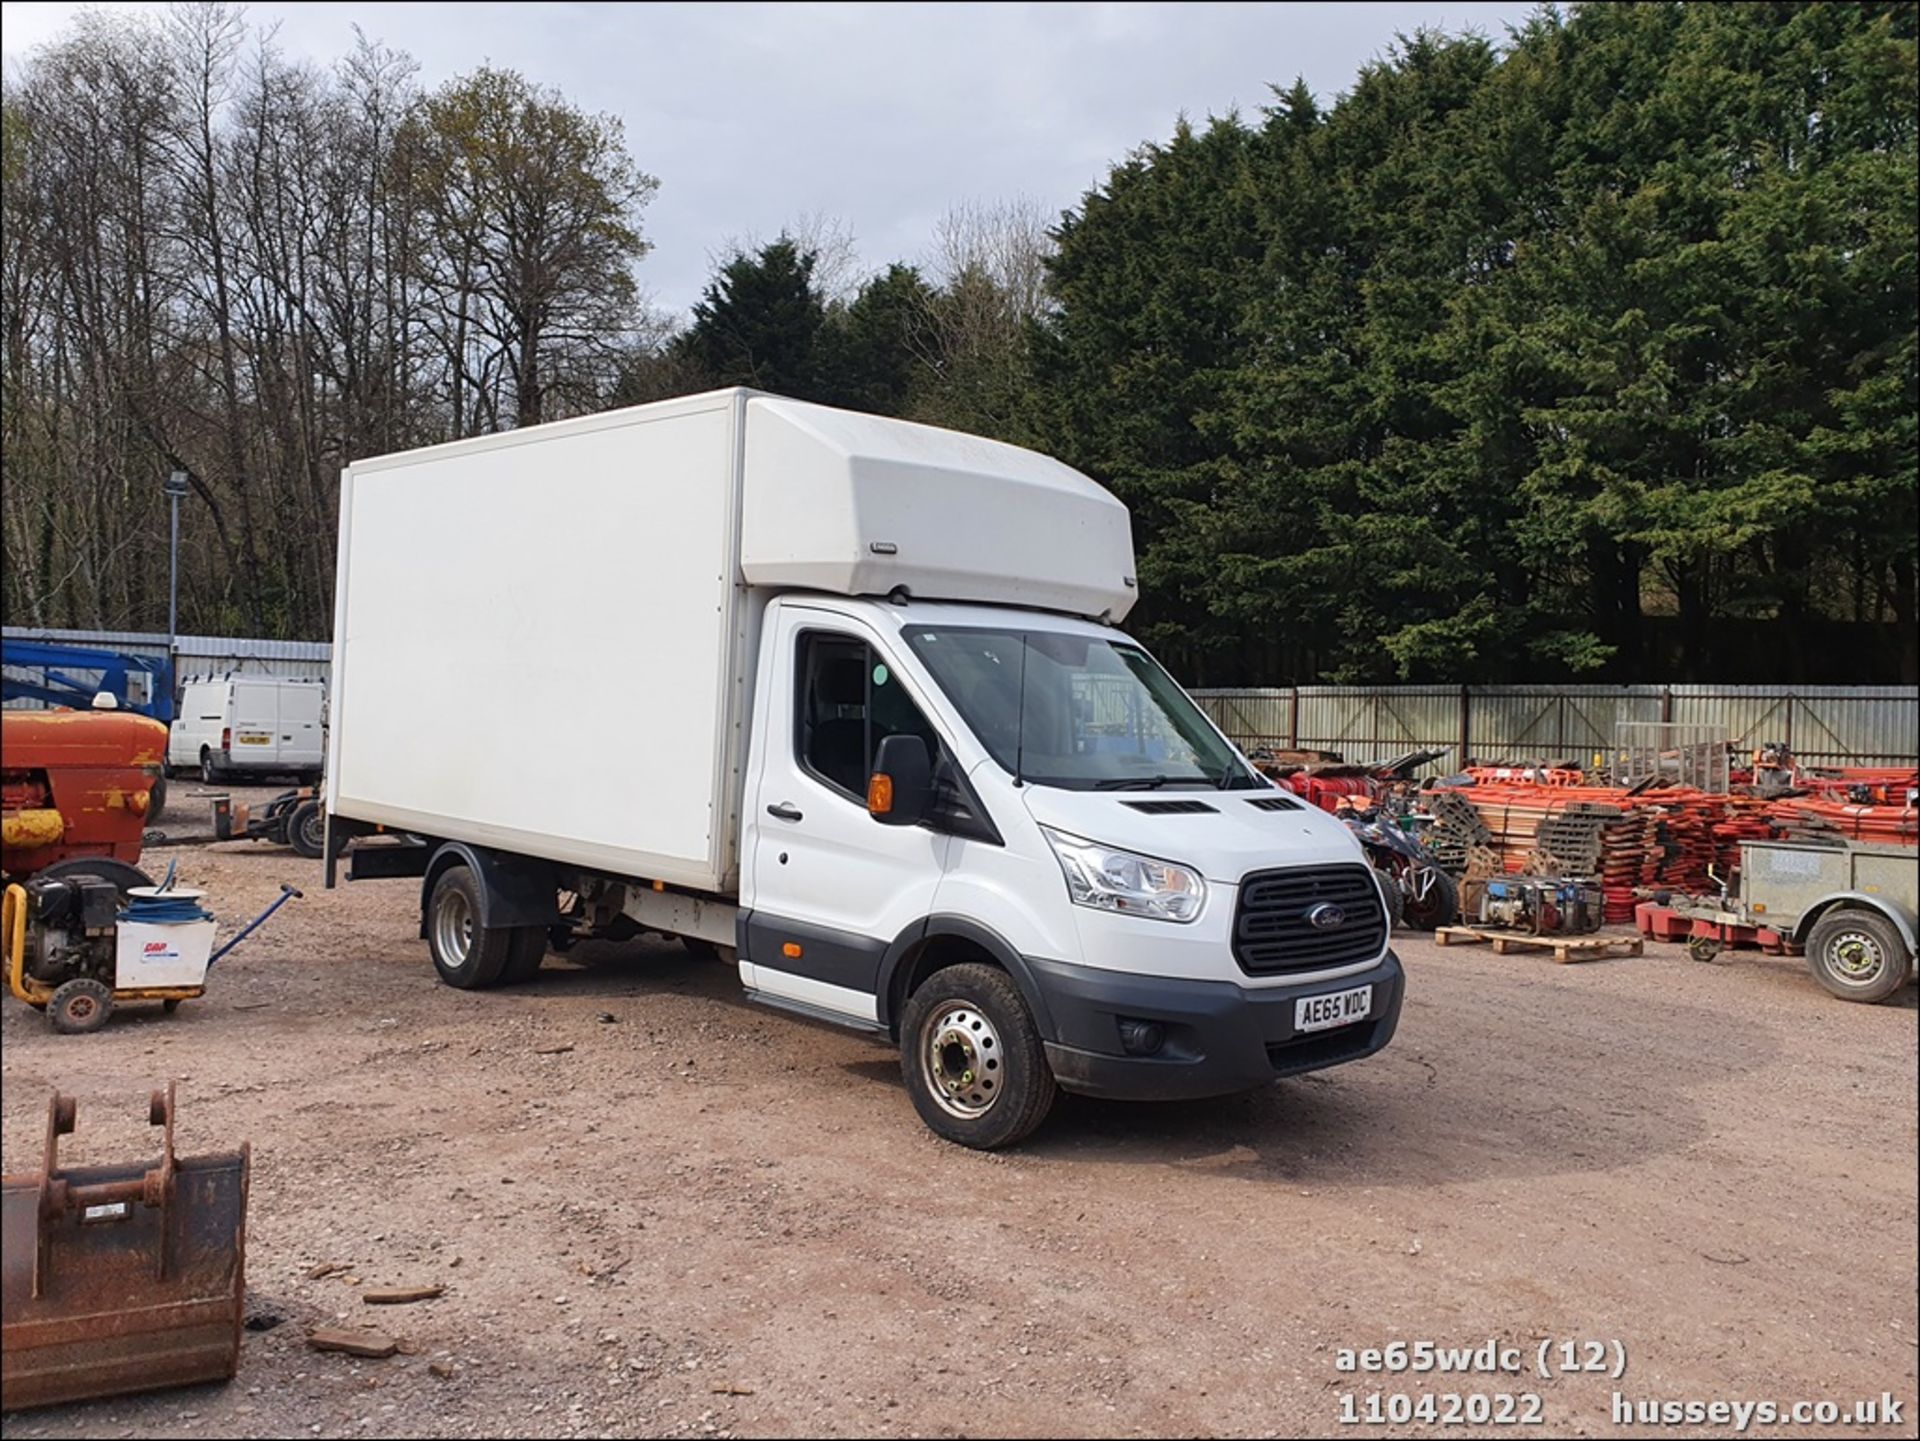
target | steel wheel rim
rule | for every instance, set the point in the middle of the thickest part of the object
(1855, 958)
(962, 1060)
(453, 928)
(314, 828)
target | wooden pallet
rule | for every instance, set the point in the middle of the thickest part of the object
(1564, 948)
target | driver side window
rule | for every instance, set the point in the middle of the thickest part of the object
(849, 701)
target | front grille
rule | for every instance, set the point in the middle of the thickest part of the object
(1271, 932)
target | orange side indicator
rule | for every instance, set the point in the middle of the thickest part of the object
(791, 950)
(879, 795)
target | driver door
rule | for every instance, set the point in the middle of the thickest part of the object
(826, 888)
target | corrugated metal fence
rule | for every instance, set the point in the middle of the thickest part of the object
(1824, 725)
(201, 656)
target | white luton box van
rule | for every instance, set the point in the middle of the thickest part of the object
(250, 724)
(846, 704)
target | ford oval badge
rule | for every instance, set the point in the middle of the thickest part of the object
(1326, 916)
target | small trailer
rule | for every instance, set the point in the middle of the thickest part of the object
(1850, 906)
(296, 818)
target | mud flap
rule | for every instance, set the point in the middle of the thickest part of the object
(121, 1278)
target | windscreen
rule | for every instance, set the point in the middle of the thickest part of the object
(1076, 711)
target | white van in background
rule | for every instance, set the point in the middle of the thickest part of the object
(257, 724)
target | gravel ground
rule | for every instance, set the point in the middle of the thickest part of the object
(710, 1219)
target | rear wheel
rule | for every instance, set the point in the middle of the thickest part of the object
(157, 797)
(209, 772)
(80, 1006)
(468, 956)
(1858, 954)
(525, 952)
(307, 830)
(972, 1058)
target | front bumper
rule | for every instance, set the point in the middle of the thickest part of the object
(1220, 1037)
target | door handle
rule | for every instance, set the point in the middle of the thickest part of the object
(785, 811)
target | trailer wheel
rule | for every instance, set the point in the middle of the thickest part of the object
(307, 830)
(81, 1005)
(525, 952)
(972, 1058)
(157, 797)
(1858, 954)
(468, 956)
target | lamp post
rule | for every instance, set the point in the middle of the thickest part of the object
(175, 486)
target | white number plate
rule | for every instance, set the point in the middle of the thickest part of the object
(1342, 1008)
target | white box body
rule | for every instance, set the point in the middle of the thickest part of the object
(147, 955)
(545, 640)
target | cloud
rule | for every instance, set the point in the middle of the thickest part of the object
(881, 115)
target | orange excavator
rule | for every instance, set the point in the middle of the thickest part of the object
(76, 788)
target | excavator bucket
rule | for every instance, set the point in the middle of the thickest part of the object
(121, 1278)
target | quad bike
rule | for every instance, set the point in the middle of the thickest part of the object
(1420, 895)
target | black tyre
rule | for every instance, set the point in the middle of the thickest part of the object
(1440, 906)
(1702, 949)
(122, 873)
(972, 1058)
(157, 797)
(700, 950)
(170, 1006)
(210, 773)
(468, 956)
(80, 1006)
(1396, 900)
(307, 830)
(526, 951)
(1858, 954)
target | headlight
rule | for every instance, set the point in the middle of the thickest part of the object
(1110, 880)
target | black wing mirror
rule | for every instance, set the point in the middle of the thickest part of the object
(901, 786)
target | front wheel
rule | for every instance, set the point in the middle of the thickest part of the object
(1858, 954)
(81, 1005)
(972, 1058)
(1433, 900)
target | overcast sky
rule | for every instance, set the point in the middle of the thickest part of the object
(879, 116)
